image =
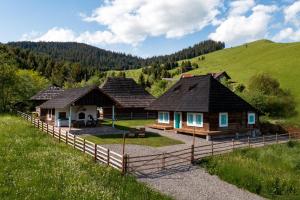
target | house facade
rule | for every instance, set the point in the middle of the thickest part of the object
(75, 107)
(130, 98)
(202, 105)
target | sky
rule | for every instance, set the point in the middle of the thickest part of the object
(149, 27)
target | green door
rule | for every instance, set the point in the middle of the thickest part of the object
(177, 120)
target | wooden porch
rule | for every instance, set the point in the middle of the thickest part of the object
(161, 126)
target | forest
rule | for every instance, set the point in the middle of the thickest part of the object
(99, 59)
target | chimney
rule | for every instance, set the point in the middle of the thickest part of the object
(187, 75)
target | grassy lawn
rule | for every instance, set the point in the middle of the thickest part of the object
(35, 166)
(127, 124)
(151, 139)
(272, 172)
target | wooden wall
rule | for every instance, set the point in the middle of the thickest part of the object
(237, 121)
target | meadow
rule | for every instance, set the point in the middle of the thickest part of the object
(272, 172)
(35, 166)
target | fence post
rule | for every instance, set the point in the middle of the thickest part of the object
(95, 153)
(38, 124)
(83, 145)
(263, 140)
(248, 141)
(74, 141)
(47, 129)
(108, 157)
(53, 131)
(67, 137)
(59, 133)
(232, 144)
(276, 138)
(42, 126)
(163, 161)
(212, 148)
(31, 119)
(192, 154)
(124, 164)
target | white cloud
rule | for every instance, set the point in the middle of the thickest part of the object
(131, 22)
(292, 13)
(287, 34)
(240, 7)
(237, 28)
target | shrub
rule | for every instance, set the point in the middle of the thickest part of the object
(265, 94)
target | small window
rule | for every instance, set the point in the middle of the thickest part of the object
(81, 115)
(195, 119)
(223, 120)
(163, 117)
(62, 115)
(251, 118)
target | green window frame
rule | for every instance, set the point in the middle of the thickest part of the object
(223, 119)
(251, 118)
(195, 119)
(163, 117)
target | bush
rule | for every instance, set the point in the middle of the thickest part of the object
(265, 94)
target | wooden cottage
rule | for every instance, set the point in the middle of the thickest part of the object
(130, 98)
(202, 105)
(220, 75)
(45, 95)
(79, 103)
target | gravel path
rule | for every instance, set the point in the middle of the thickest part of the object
(196, 184)
(187, 181)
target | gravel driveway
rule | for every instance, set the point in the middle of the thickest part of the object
(185, 181)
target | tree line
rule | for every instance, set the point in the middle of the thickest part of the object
(103, 60)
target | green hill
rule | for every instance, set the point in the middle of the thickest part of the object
(280, 60)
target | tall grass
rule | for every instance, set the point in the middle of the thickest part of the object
(35, 166)
(272, 172)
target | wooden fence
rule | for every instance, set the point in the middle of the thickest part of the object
(145, 164)
(99, 153)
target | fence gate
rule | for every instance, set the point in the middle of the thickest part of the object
(155, 163)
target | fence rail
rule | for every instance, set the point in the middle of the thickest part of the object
(155, 162)
(163, 161)
(99, 153)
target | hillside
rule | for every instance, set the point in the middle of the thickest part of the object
(281, 60)
(35, 166)
(100, 59)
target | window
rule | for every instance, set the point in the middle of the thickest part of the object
(62, 115)
(223, 120)
(81, 115)
(251, 118)
(163, 117)
(195, 119)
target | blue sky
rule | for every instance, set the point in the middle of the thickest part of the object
(149, 27)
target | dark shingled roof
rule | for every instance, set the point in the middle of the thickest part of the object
(200, 94)
(68, 97)
(47, 94)
(127, 93)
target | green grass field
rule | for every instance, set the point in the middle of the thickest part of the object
(35, 166)
(151, 139)
(128, 124)
(272, 172)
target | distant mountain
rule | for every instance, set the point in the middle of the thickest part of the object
(100, 59)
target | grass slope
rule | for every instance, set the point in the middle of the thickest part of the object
(272, 172)
(35, 166)
(281, 60)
